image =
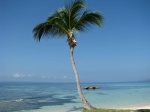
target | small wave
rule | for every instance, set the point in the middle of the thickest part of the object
(7, 101)
(19, 100)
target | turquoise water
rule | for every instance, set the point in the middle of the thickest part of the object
(63, 97)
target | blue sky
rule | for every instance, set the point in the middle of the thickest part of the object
(119, 51)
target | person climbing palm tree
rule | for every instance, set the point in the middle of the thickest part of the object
(63, 23)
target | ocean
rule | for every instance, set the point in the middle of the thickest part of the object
(63, 97)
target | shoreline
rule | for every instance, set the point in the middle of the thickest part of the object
(47, 109)
(65, 98)
(131, 108)
(137, 108)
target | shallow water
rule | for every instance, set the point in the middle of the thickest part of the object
(63, 97)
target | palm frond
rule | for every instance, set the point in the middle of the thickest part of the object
(87, 19)
(59, 18)
(46, 28)
(55, 26)
(76, 8)
(72, 10)
(39, 30)
(67, 19)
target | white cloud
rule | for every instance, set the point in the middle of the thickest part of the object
(17, 75)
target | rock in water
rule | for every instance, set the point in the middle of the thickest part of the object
(91, 87)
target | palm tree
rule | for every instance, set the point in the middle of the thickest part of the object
(63, 23)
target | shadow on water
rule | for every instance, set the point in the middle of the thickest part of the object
(102, 93)
(35, 102)
(75, 109)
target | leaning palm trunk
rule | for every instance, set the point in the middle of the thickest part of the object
(64, 22)
(84, 101)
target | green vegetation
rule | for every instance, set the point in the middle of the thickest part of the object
(116, 110)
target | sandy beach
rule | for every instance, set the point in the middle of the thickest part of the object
(139, 107)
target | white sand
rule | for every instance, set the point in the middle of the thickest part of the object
(139, 107)
(133, 107)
